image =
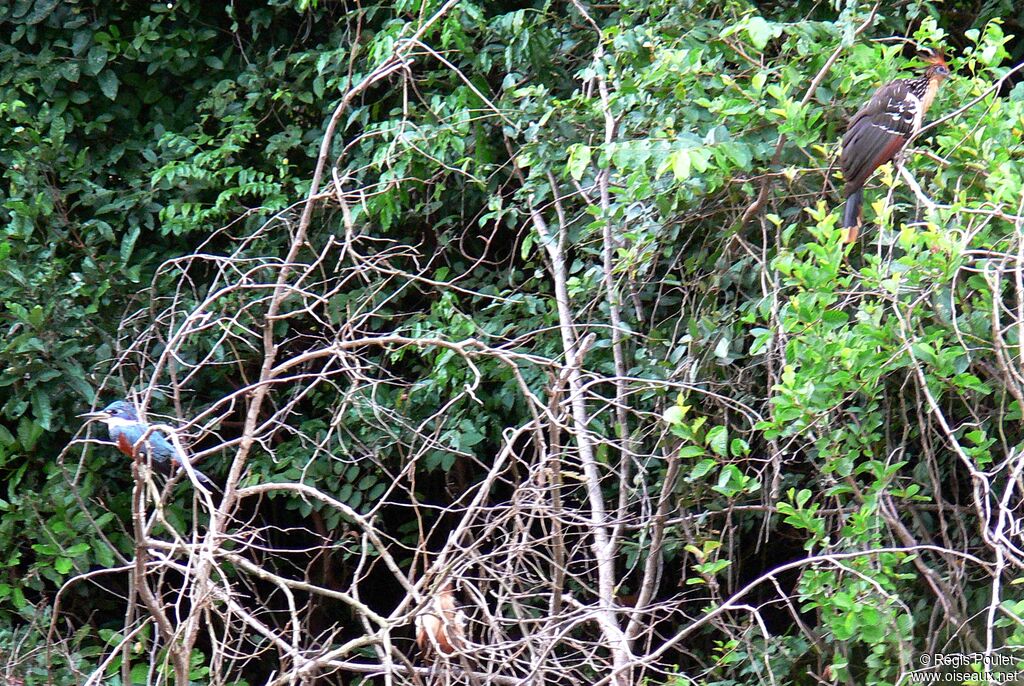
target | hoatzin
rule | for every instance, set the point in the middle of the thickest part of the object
(880, 129)
(440, 628)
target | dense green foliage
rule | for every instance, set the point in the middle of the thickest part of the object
(803, 398)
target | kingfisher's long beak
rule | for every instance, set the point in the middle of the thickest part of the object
(95, 415)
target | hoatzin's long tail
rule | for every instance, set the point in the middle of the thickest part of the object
(851, 216)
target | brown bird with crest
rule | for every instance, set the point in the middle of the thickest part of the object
(440, 630)
(880, 129)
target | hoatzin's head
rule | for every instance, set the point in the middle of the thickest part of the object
(936, 60)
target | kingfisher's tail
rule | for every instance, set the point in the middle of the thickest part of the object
(205, 482)
(201, 478)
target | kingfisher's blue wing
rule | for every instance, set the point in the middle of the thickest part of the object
(165, 454)
(163, 449)
(157, 447)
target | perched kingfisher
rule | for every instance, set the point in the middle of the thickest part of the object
(125, 431)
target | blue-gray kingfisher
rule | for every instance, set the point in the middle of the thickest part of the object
(126, 430)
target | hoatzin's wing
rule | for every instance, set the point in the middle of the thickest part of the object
(878, 131)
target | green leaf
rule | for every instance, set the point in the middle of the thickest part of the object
(673, 415)
(18, 598)
(108, 84)
(104, 556)
(712, 568)
(872, 629)
(80, 42)
(762, 337)
(28, 433)
(71, 71)
(140, 674)
(835, 317)
(95, 60)
(579, 160)
(760, 32)
(40, 11)
(722, 348)
(718, 440)
(375, 493)
(681, 164)
(128, 244)
(701, 469)
(42, 410)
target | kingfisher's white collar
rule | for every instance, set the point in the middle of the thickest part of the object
(117, 422)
